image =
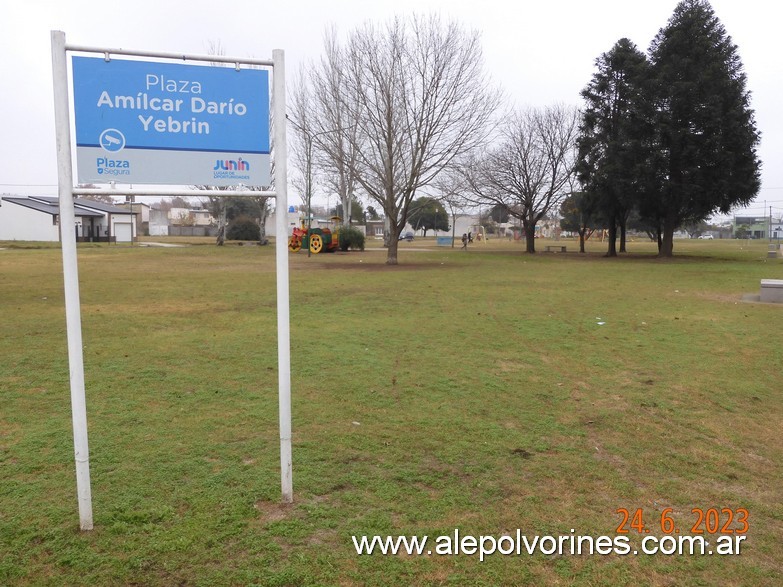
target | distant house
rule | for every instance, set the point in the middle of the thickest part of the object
(374, 228)
(190, 217)
(754, 226)
(37, 218)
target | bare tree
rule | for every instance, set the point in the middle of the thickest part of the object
(334, 127)
(531, 169)
(300, 115)
(406, 99)
(451, 191)
(323, 145)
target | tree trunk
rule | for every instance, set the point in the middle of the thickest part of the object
(221, 235)
(612, 248)
(666, 240)
(391, 253)
(666, 246)
(530, 239)
(345, 200)
(387, 232)
(582, 241)
(262, 240)
(622, 236)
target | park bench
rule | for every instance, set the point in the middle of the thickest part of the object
(553, 248)
(772, 290)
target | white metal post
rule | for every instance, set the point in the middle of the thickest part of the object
(281, 250)
(71, 279)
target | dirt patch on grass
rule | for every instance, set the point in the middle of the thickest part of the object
(324, 537)
(511, 366)
(273, 511)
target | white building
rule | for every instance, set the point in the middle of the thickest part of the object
(37, 218)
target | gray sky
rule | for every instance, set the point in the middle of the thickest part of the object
(538, 52)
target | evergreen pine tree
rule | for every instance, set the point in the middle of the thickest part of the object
(706, 135)
(613, 137)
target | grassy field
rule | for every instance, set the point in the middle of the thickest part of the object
(485, 391)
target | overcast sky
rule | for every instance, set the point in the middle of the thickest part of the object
(539, 52)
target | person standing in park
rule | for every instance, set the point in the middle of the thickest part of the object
(464, 241)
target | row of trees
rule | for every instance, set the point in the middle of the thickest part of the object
(404, 109)
(667, 139)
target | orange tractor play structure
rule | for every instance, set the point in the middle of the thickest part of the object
(316, 239)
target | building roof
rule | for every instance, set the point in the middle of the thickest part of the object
(49, 207)
(85, 203)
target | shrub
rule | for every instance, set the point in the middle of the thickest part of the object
(351, 238)
(243, 228)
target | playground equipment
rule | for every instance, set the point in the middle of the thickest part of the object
(601, 234)
(316, 239)
(478, 233)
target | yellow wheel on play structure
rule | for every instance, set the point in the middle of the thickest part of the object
(294, 244)
(316, 243)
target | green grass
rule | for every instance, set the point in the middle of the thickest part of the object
(472, 390)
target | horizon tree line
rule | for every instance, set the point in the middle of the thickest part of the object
(405, 110)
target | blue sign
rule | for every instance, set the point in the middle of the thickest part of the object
(170, 123)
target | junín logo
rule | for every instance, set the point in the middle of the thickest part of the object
(231, 165)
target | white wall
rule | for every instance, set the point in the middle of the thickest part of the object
(24, 224)
(159, 223)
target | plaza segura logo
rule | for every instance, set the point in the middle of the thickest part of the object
(231, 169)
(108, 166)
(112, 141)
